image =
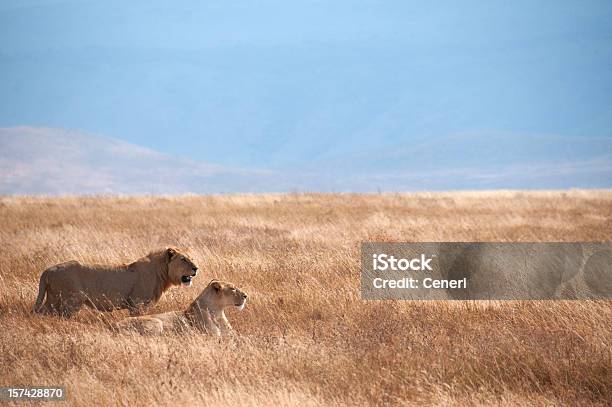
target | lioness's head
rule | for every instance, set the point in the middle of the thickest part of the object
(181, 269)
(219, 294)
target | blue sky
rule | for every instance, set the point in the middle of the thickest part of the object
(319, 84)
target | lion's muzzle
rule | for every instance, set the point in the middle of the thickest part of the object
(186, 280)
(242, 301)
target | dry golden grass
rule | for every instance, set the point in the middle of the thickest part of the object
(305, 337)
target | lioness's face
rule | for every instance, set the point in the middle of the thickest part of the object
(228, 294)
(181, 269)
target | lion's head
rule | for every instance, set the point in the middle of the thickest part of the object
(219, 294)
(181, 269)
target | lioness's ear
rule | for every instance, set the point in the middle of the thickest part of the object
(216, 286)
(171, 252)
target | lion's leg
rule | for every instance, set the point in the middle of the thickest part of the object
(68, 312)
(52, 305)
(70, 307)
(209, 324)
(137, 310)
(47, 309)
(223, 323)
(136, 307)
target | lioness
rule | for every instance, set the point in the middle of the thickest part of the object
(206, 313)
(69, 286)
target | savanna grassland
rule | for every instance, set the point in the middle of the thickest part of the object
(305, 336)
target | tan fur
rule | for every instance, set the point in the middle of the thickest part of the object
(206, 313)
(69, 286)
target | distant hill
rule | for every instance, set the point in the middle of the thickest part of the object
(53, 161)
(475, 160)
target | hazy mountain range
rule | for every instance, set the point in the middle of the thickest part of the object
(54, 161)
(37, 160)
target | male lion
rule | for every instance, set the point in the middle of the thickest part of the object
(69, 286)
(206, 313)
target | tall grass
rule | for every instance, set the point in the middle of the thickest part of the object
(305, 337)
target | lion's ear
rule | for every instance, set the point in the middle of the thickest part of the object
(171, 252)
(216, 285)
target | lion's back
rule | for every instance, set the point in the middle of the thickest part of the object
(67, 265)
(99, 284)
(64, 275)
